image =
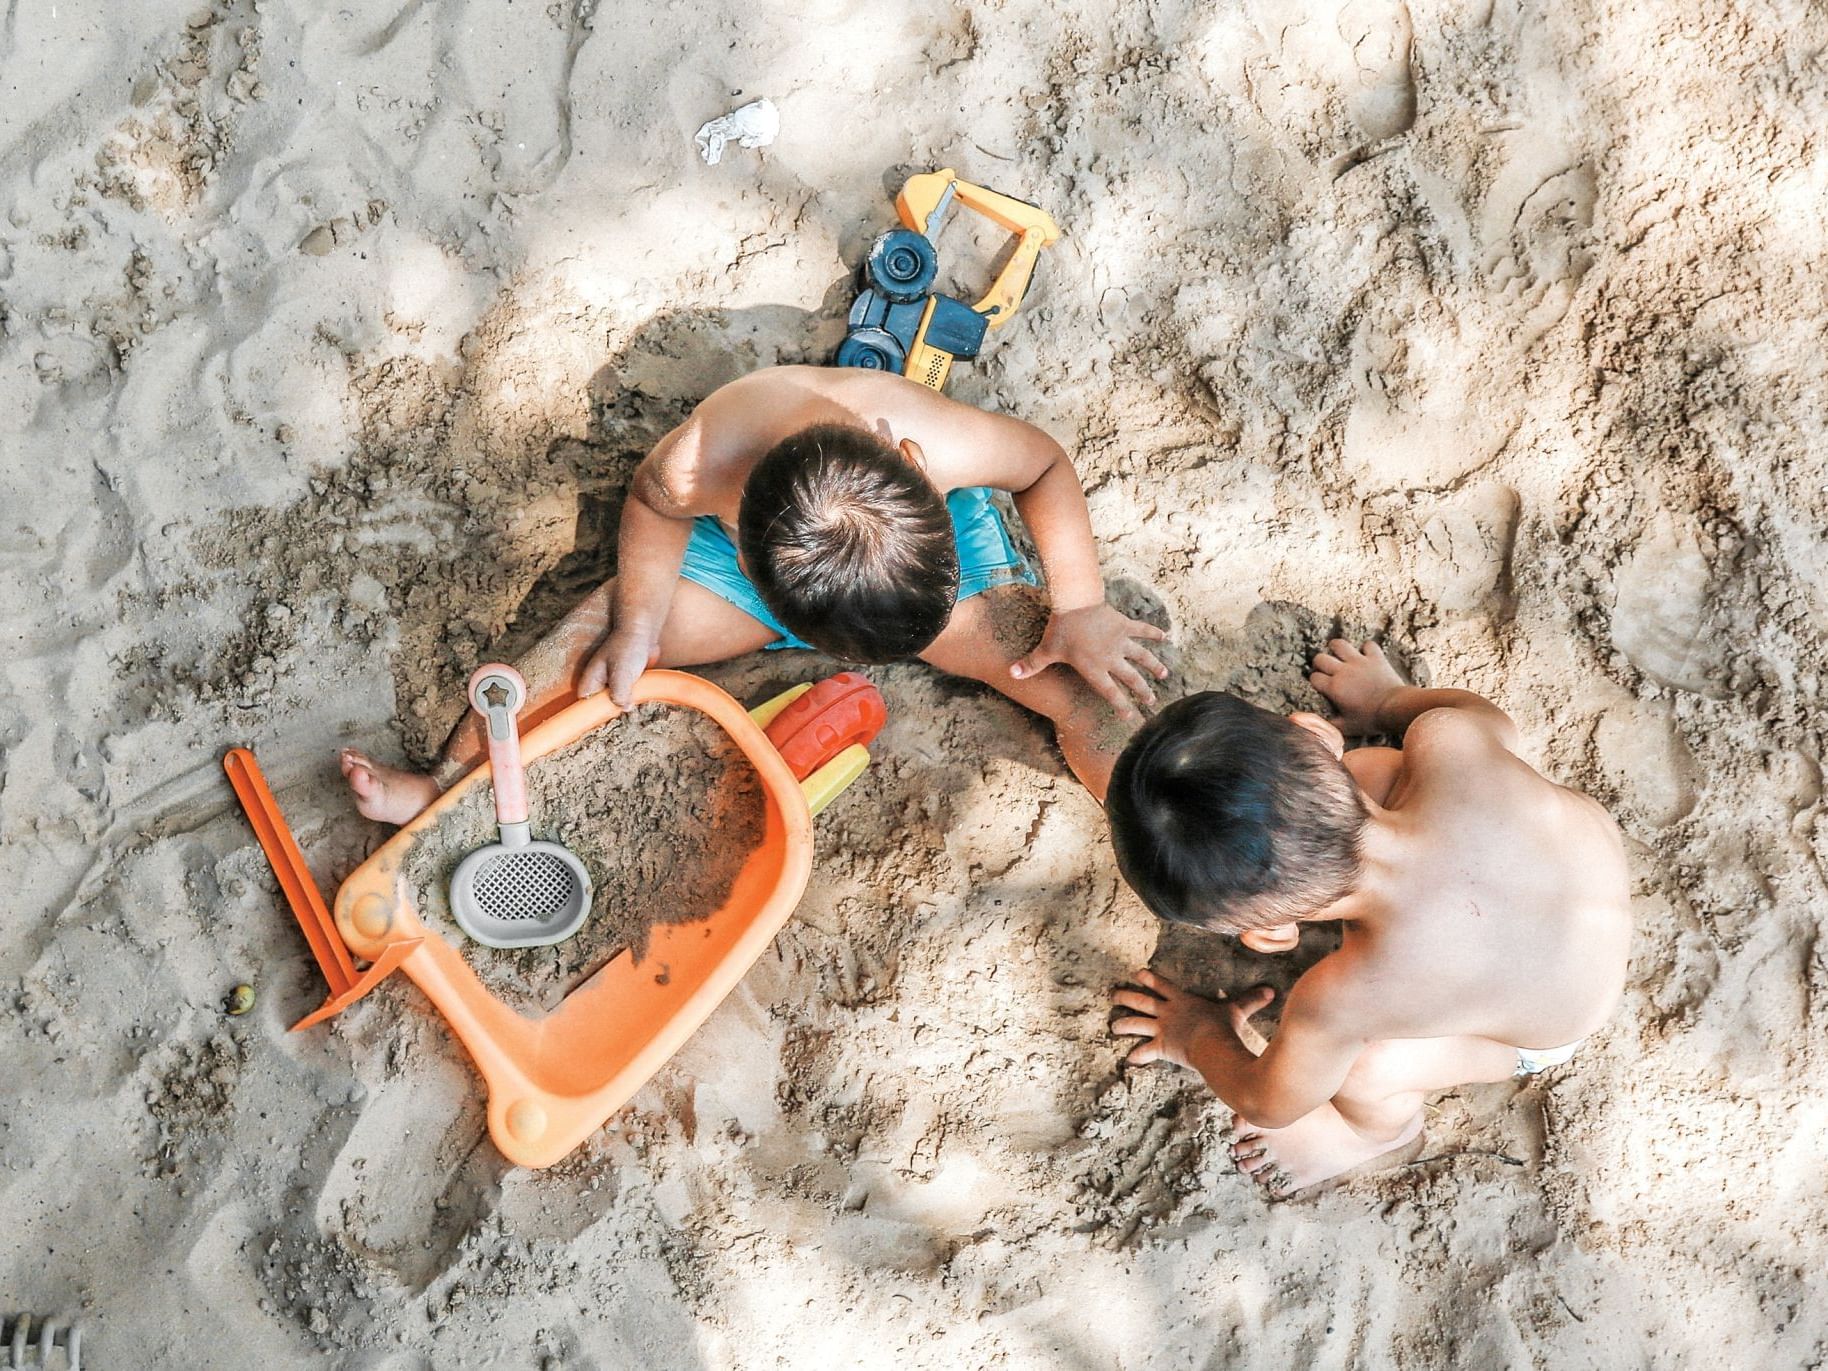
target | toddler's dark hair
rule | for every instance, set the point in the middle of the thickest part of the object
(1230, 817)
(849, 544)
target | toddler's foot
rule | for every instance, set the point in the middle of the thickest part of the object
(386, 794)
(1315, 1148)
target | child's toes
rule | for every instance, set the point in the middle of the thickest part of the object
(1256, 1164)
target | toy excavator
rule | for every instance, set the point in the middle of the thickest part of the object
(898, 323)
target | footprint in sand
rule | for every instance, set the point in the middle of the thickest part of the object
(1380, 35)
(1646, 762)
(414, 1176)
(523, 127)
(1457, 547)
(1663, 618)
(1314, 66)
(1535, 226)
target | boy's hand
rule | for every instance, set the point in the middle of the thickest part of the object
(618, 663)
(1106, 648)
(1170, 1020)
(1358, 680)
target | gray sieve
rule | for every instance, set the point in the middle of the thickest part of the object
(519, 892)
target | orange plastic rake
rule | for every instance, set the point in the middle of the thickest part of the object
(307, 905)
(553, 1079)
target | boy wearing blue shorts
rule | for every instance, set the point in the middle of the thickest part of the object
(849, 511)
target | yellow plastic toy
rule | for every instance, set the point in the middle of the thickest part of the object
(922, 206)
(554, 1079)
(897, 324)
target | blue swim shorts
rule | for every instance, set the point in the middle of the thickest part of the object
(986, 558)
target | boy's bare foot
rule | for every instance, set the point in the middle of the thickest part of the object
(386, 794)
(1316, 1147)
(1357, 680)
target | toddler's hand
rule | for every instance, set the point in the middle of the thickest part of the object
(1357, 681)
(1169, 1019)
(1106, 648)
(624, 655)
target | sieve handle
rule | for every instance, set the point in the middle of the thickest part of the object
(497, 692)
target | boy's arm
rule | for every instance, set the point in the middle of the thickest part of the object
(650, 547)
(1302, 1067)
(966, 446)
(1372, 698)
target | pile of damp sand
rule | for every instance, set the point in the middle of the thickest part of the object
(662, 808)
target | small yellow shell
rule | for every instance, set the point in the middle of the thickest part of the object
(240, 1000)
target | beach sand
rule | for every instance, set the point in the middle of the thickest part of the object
(328, 339)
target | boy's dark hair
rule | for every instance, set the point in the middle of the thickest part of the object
(849, 544)
(1230, 817)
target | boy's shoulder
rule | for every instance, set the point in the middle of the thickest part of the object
(801, 381)
(1459, 777)
(1450, 729)
(1460, 746)
(765, 406)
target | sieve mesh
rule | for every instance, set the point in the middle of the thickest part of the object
(524, 885)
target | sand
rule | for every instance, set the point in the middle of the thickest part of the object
(329, 338)
(660, 806)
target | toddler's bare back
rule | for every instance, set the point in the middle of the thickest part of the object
(1505, 899)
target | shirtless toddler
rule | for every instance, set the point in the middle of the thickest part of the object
(1485, 908)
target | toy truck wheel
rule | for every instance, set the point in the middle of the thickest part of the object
(838, 713)
(873, 349)
(903, 264)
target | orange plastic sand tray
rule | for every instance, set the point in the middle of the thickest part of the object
(554, 1079)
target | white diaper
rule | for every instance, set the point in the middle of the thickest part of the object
(1530, 1060)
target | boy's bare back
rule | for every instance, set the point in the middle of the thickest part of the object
(1501, 910)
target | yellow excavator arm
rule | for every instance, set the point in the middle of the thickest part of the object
(923, 203)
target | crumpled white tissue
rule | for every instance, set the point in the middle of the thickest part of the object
(755, 125)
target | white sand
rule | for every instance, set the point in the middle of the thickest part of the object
(331, 332)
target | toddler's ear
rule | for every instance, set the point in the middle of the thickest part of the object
(1324, 729)
(911, 450)
(1281, 938)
